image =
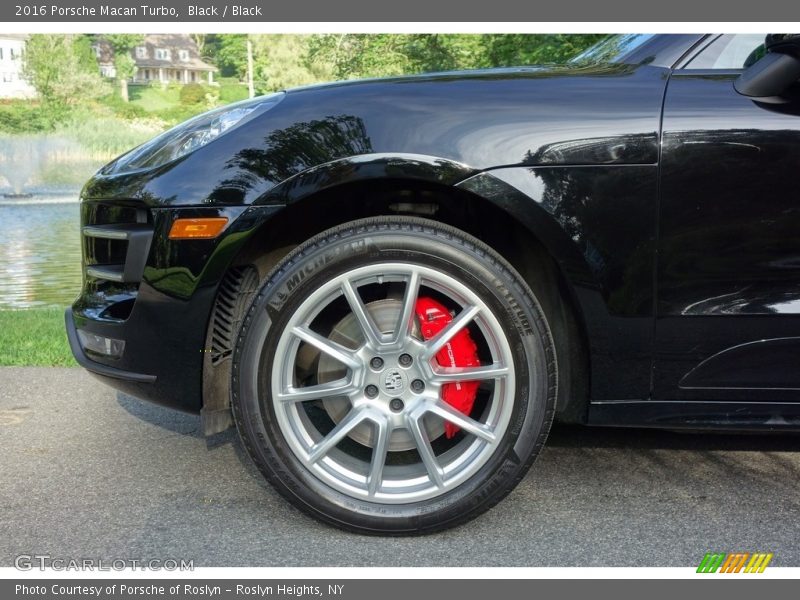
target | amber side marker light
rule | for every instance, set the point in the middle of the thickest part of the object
(197, 229)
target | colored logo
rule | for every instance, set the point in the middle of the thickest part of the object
(735, 562)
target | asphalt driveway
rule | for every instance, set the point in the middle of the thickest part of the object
(90, 473)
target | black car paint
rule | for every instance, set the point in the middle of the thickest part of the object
(729, 260)
(571, 153)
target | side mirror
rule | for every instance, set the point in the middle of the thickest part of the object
(775, 72)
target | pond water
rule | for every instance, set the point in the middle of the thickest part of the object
(40, 250)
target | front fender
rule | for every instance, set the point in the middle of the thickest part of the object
(597, 222)
(379, 166)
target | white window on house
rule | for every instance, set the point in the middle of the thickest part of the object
(1, 54)
(141, 51)
(13, 53)
(162, 54)
(183, 55)
(8, 77)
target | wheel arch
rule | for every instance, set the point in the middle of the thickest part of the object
(499, 216)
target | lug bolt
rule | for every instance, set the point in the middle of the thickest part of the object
(405, 360)
(371, 391)
(396, 404)
(418, 386)
(376, 363)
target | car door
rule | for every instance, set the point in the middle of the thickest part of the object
(728, 268)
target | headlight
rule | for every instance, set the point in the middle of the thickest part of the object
(192, 134)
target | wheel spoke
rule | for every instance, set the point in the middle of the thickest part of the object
(340, 387)
(454, 374)
(328, 443)
(457, 324)
(371, 333)
(468, 424)
(378, 456)
(425, 451)
(332, 349)
(405, 322)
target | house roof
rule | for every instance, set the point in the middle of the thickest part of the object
(174, 42)
(14, 36)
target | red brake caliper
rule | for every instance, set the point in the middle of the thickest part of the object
(460, 351)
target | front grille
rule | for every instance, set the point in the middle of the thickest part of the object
(104, 251)
(116, 242)
(104, 213)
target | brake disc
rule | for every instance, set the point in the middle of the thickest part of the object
(347, 332)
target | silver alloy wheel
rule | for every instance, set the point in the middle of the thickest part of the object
(397, 406)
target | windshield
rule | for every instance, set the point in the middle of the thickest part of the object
(612, 49)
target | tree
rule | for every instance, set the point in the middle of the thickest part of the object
(371, 55)
(200, 41)
(62, 70)
(231, 54)
(521, 49)
(351, 56)
(281, 61)
(124, 65)
(290, 60)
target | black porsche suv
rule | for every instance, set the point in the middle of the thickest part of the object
(392, 287)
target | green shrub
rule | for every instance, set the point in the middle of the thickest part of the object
(125, 110)
(192, 93)
(178, 114)
(24, 116)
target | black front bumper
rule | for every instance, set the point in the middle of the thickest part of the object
(152, 293)
(155, 294)
(97, 368)
(164, 337)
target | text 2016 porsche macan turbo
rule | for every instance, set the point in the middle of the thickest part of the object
(392, 287)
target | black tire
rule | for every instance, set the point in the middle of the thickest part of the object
(410, 241)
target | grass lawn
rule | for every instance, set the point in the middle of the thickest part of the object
(154, 99)
(230, 90)
(34, 337)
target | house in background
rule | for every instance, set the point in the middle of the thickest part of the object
(164, 58)
(12, 84)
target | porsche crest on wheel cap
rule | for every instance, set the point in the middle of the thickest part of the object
(394, 382)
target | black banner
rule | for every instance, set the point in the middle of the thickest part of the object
(370, 589)
(248, 11)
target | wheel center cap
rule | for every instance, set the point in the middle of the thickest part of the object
(394, 382)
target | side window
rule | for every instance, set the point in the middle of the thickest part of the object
(730, 51)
